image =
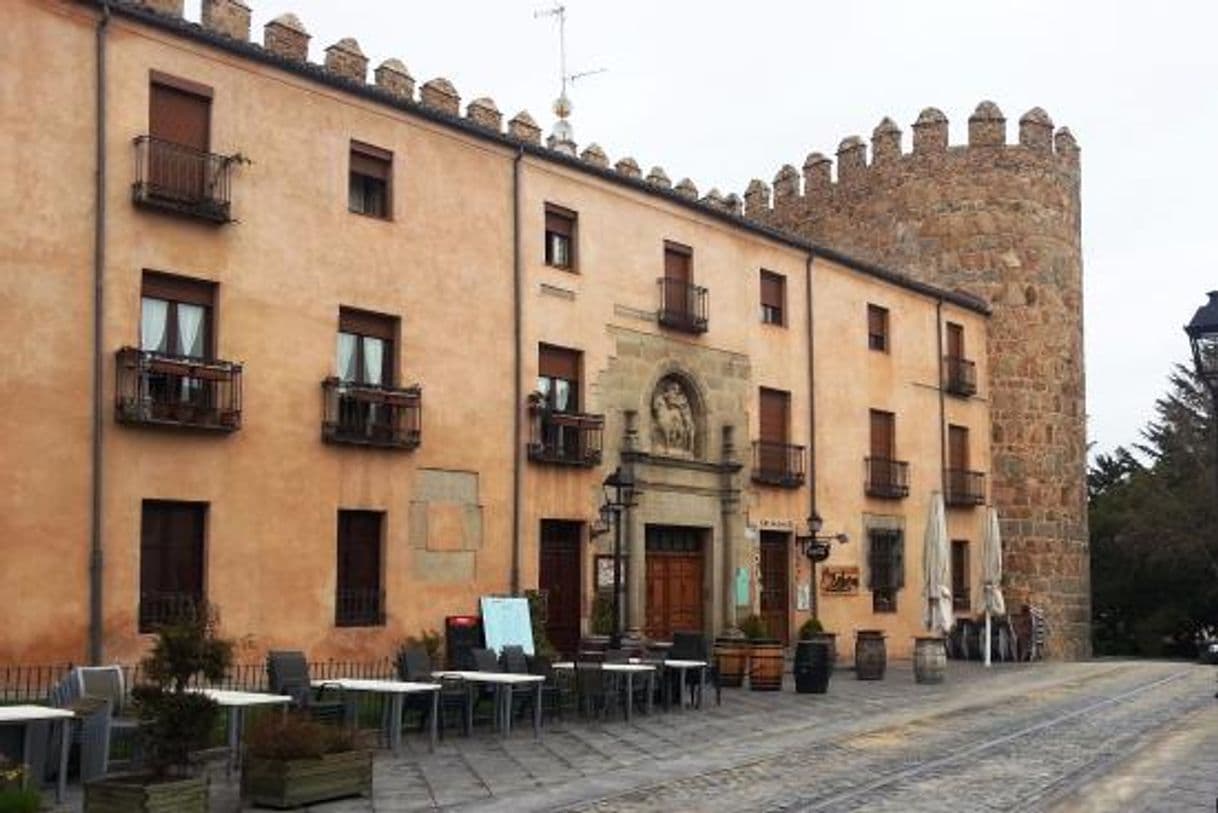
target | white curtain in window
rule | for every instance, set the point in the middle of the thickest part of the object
(562, 394)
(190, 330)
(153, 315)
(374, 355)
(346, 356)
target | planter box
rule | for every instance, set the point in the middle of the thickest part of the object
(766, 662)
(135, 794)
(298, 782)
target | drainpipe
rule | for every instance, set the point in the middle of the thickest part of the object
(942, 418)
(814, 604)
(99, 265)
(518, 371)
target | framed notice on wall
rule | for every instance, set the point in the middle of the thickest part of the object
(839, 581)
(604, 572)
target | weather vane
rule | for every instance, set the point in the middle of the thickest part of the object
(564, 135)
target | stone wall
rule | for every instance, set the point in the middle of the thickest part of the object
(1001, 221)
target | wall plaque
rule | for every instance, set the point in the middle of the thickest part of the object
(839, 580)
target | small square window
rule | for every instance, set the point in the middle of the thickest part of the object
(369, 187)
(560, 237)
(773, 298)
(877, 328)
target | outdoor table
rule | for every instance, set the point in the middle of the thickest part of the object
(397, 691)
(503, 683)
(24, 715)
(236, 703)
(682, 666)
(629, 670)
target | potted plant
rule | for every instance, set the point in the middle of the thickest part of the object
(813, 630)
(15, 797)
(765, 655)
(813, 659)
(174, 722)
(292, 761)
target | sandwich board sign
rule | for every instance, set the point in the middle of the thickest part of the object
(506, 622)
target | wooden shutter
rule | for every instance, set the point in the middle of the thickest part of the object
(367, 323)
(955, 341)
(883, 434)
(178, 289)
(359, 550)
(773, 287)
(179, 116)
(371, 161)
(171, 547)
(957, 447)
(558, 362)
(774, 415)
(677, 263)
(877, 327)
(560, 221)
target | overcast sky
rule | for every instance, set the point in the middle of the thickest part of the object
(724, 92)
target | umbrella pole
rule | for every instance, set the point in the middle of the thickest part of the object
(988, 639)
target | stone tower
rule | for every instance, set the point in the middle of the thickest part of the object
(1001, 221)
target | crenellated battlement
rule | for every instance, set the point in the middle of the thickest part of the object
(931, 152)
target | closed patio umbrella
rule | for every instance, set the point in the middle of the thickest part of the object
(991, 576)
(937, 569)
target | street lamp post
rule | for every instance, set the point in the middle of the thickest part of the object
(619, 495)
(815, 546)
(1203, 336)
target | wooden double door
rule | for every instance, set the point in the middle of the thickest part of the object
(675, 577)
(775, 584)
(560, 579)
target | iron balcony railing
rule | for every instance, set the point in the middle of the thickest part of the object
(682, 306)
(160, 608)
(369, 415)
(960, 375)
(565, 438)
(888, 479)
(182, 179)
(156, 389)
(778, 464)
(964, 488)
(359, 608)
(962, 600)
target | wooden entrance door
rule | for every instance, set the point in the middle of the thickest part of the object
(180, 125)
(674, 581)
(775, 578)
(559, 578)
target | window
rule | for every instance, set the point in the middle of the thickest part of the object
(360, 600)
(560, 237)
(179, 126)
(171, 560)
(883, 435)
(773, 295)
(957, 448)
(176, 315)
(366, 347)
(369, 186)
(961, 600)
(955, 341)
(877, 328)
(678, 263)
(886, 569)
(558, 377)
(774, 415)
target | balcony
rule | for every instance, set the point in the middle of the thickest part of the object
(778, 464)
(964, 489)
(359, 608)
(886, 479)
(153, 389)
(368, 415)
(183, 180)
(960, 375)
(564, 438)
(160, 608)
(682, 306)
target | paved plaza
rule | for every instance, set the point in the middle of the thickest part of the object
(1096, 736)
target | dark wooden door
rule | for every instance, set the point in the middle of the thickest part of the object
(559, 578)
(775, 580)
(955, 341)
(957, 447)
(883, 435)
(674, 581)
(180, 125)
(774, 417)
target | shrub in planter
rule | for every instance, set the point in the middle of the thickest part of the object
(14, 797)
(294, 761)
(810, 629)
(765, 655)
(174, 722)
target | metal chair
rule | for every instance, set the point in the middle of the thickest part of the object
(693, 646)
(287, 673)
(414, 666)
(556, 692)
(596, 692)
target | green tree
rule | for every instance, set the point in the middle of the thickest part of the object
(1154, 530)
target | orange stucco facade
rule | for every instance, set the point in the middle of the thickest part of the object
(445, 265)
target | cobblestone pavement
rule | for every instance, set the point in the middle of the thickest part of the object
(1096, 736)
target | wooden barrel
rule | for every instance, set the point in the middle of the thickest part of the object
(731, 657)
(812, 666)
(930, 660)
(765, 666)
(829, 638)
(870, 655)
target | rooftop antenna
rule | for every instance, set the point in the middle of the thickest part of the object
(563, 137)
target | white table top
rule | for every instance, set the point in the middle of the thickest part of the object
(490, 677)
(610, 667)
(386, 686)
(678, 664)
(228, 697)
(19, 714)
